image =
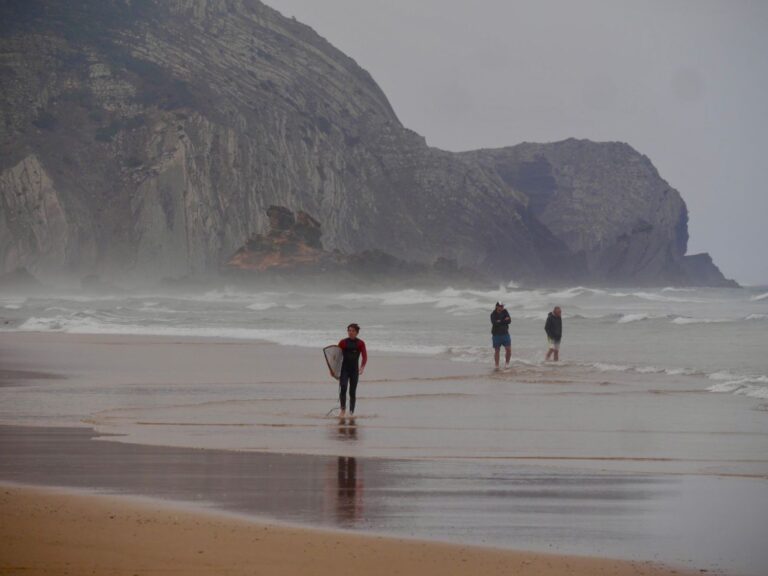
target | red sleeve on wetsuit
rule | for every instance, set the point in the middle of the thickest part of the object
(342, 344)
(363, 353)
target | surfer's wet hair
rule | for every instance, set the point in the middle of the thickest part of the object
(355, 327)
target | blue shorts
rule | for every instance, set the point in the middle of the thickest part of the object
(500, 340)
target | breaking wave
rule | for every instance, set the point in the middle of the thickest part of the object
(627, 318)
(752, 386)
(83, 324)
(683, 320)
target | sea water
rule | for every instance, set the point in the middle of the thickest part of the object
(717, 335)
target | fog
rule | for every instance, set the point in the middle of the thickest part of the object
(684, 82)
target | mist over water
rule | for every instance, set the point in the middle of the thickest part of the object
(716, 335)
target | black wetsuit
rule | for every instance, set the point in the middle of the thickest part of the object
(350, 370)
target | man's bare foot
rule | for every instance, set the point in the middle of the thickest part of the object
(343, 413)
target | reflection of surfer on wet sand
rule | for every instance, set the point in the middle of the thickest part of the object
(349, 494)
(347, 431)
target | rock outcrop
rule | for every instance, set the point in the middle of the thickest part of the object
(292, 243)
(293, 249)
(148, 139)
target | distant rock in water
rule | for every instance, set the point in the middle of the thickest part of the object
(148, 139)
(293, 248)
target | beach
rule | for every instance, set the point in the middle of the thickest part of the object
(618, 465)
(52, 533)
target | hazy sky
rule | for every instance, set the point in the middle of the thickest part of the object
(683, 81)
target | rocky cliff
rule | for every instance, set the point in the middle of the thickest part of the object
(149, 137)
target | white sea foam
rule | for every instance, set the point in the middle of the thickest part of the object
(649, 370)
(675, 289)
(12, 306)
(397, 298)
(576, 291)
(227, 295)
(684, 320)
(680, 372)
(154, 308)
(652, 297)
(757, 317)
(759, 297)
(13, 299)
(484, 355)
(752, 386)
(262, 306)
(605, 367)
(80, 324)
(725, 376)
(459, 302)
(627, 318)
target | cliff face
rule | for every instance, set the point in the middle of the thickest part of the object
(605, 202)
(150, 137)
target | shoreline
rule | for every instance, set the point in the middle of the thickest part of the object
(619, 516)
(46, 531)
(444, 452)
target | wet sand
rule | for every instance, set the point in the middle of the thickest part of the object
(677, 520)
(46, 533)
(239, 395)
(541, 460)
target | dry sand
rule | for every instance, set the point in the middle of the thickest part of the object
(44, 532)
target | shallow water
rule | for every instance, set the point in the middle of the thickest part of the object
(240, 395)
(720, 335)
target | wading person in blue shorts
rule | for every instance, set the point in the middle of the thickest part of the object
(500, 321)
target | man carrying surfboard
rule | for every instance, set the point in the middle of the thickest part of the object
(351, 369)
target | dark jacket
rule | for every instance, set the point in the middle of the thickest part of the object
(500, 322)
(554, 327)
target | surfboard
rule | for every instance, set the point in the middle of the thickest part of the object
(333, 357)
